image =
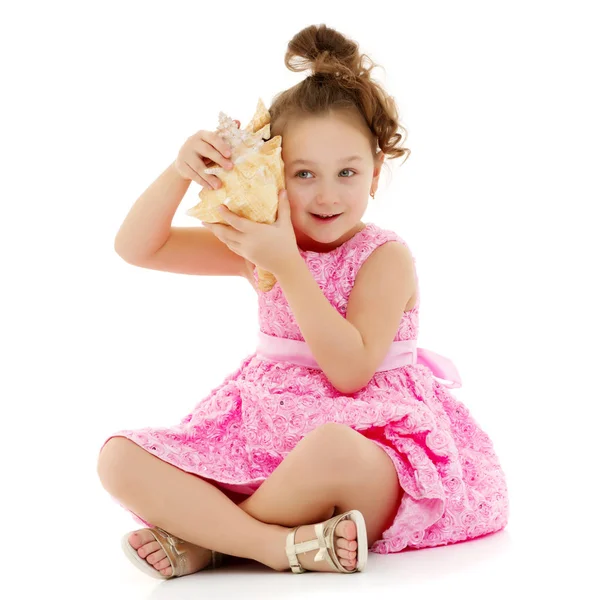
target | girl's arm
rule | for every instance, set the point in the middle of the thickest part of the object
(335, 343)
(349, 350)
(148, 223)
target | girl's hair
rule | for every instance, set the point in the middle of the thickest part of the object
(340, 81)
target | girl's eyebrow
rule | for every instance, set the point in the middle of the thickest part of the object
(310, 162)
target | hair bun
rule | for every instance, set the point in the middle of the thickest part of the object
(326, 52)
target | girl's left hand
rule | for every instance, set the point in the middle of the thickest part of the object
(269, 246)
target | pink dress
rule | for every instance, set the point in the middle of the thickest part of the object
(454, 487)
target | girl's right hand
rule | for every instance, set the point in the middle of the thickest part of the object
(201, 151)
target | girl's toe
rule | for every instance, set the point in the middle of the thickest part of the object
(342, 543)
(348, 530)
(162, 564)
(148, 548)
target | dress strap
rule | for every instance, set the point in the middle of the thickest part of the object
(401, 353)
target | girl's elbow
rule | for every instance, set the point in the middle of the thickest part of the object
(352, 386)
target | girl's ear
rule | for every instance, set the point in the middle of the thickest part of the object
(379, 158)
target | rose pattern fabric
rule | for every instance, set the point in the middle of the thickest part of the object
(235, 437)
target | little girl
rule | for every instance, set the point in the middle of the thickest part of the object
(335, 437)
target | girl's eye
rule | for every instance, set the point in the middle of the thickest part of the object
(298, 173)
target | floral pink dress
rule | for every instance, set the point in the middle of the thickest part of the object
(235, 437)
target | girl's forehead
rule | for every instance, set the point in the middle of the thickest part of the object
(323, 140)
(315, 125)
(342, 136)
(325, 151)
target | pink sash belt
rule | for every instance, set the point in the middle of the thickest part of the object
(400, 354)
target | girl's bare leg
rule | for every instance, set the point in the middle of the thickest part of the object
(333, 469)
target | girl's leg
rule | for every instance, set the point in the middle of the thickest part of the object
(330, 471)
(333, 469)
(184, 505)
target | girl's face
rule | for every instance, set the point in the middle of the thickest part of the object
(321, 178)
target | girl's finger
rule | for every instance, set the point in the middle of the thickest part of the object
(195, 176)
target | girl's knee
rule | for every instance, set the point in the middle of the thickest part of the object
(327, 437)
(338, 435)
(335, 432)
(340, 448)
(334, 447)
(115, 462)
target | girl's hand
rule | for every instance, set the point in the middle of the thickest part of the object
(201, 151)
(269, 246)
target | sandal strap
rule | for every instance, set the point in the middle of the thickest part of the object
(321, 543)
(291, 554)
(175, 549)
(327, 532)
(325, 544)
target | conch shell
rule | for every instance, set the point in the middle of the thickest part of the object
(251, 189)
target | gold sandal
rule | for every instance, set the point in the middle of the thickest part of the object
(325, 543)
(175, 549)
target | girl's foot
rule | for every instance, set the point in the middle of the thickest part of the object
(345, 547)
(147, 547)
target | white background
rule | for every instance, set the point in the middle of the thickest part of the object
(497, 203)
